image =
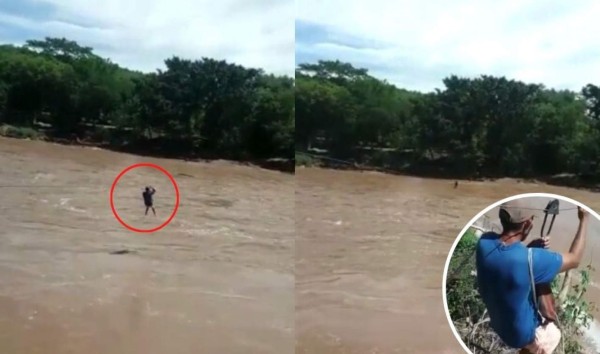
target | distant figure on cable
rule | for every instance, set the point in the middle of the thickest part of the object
(148, 199)
(455, 184)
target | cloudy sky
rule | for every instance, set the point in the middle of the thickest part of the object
(415, 44)
(140, 34)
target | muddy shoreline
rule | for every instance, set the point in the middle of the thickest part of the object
(275, 164)
(562, 180)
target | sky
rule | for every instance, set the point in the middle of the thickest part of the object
(141, 34)
(415, 44)
(412, 44)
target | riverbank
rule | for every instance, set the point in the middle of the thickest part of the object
(147, 147)
(560, 180)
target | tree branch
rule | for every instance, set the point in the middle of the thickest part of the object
(564, 290)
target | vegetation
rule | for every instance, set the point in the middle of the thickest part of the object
(474, 127)
(470, 318)
(303, 159)
(205, 107)
(21, 133)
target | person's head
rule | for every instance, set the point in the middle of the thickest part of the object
(147, 189)
(516, 217)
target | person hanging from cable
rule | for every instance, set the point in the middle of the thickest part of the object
(148, 196)
(508, 272)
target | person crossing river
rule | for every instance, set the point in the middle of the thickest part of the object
(148, 195)
(505, 278)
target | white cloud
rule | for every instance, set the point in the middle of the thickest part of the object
(551, 42)
(142, 33)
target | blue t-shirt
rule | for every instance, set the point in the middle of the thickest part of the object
(505, 288)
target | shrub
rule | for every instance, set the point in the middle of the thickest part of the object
(19, 132)
(304, 160)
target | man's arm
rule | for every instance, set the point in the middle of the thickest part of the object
(572, 258)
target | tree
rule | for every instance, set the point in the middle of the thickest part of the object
(192, 107)
(591, 95)
(324, 110)
(60, 48)
(482, 126)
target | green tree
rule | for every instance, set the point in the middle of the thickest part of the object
(473, 127)
(192, 107)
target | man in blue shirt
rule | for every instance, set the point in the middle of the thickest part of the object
(504, 280)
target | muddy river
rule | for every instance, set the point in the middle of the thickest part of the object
(367, 253)
(370, 254)
(218, 279)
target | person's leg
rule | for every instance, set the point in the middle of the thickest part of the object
(146, 213)
(547, 338)
(154, 211)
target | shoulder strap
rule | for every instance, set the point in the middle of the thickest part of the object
(531, 278)
(532, 281)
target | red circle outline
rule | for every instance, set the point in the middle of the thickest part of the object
(114, 184)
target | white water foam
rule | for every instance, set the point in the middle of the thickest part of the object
(593, 334)
(43, 176)
(65, 204)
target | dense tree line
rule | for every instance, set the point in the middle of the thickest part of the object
(484, 126)
(193, 107)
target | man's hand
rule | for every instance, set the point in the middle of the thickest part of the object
(582, 214)
(543, 242)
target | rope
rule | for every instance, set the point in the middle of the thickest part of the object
(391, 171)
(382, 169)
(454, 274)
(325, 157)
(542, 209)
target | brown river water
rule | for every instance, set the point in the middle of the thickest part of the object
(371, 250)
(218, 279)
(367, 252)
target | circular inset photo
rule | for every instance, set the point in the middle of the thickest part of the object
(520, 278)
